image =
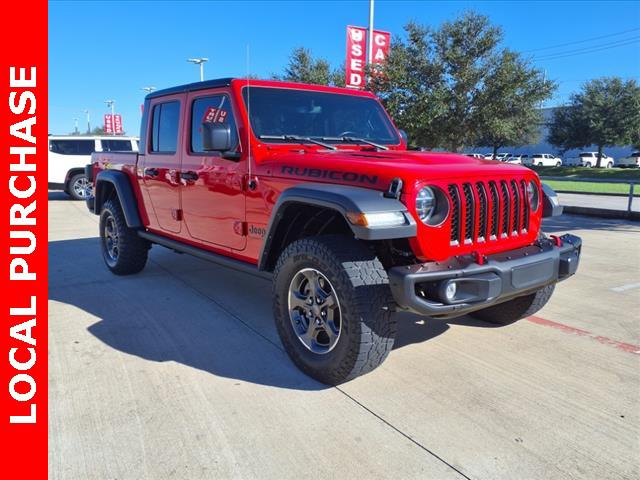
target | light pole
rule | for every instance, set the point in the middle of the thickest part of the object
(75, 126)
(88, 122)
(370, 40)
(199, 61)
(112, 104)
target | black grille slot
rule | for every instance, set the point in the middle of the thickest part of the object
(469, 205)
(506, 207)
(525, 199)
(515, 217)
(455, 214)
(495, 209)
(482, 214)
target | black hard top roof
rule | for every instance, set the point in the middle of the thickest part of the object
(191, 87)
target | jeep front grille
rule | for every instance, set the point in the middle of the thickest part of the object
(487, 211)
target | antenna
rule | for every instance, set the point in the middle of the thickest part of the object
(249, 160)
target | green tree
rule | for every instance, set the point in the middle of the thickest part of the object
(605, 113)
(455, 86)
(509, 115)
(304, 68)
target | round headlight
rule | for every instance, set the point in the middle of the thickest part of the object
(534, 195)
(425, 203)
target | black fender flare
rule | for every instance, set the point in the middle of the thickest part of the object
(343, 199)
(550, 202)
(122, 186)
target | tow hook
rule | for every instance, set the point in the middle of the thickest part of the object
(479, 259)
(556, 239)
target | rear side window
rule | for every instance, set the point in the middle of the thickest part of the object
(585, 155)
(72, 147)
(215, 109)
(116, 145)
(635, 154)
(164, 129)
(537, 156)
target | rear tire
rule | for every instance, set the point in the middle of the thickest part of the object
(516, 309)
(346, 342)
(79, 187)
(123, 251)
(540, 164)
(558, 164)
(610, 165)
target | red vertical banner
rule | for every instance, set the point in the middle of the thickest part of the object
(117, 124)
(23, 248)
(381, 42)
(108, 124)
(356, 57)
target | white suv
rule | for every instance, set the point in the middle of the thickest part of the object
(542, 160)
(68, 155)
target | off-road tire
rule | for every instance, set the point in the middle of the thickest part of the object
(70, 190)
(132, 250)
(368, 326)
(516, 309)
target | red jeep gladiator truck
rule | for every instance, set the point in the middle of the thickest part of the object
(314, 187)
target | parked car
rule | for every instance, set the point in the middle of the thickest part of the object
(542, 160)
(475, 155)
(68, 155)
(499, 156)
(517, 159)
(590, 159)
(314, 207)
(632, 161)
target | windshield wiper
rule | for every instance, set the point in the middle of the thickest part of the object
(356, 140)
(297, 138)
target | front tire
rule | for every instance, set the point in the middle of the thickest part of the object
(610, 165)
(123, 251)
(516, 309)
(333, 308)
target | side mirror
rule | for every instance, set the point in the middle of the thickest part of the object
(404, 136)
(216, 137)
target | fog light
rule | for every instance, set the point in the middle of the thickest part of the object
(450, 291)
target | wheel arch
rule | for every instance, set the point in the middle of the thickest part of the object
(109, 183)
(318, 209)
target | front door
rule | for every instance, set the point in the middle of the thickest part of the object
(213, 200)
(161, 163)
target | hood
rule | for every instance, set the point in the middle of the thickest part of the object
(343, 166)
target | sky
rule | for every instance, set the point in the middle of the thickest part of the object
(111, 50)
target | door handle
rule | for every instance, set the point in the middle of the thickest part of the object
(151, 172)
(189, 176)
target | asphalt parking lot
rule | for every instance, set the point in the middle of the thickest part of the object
(178, 373)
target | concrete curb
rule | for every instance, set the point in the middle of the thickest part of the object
(602, 212)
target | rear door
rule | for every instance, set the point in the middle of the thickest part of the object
(213, 199)
(161, 162)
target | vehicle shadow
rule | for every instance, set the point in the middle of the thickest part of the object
(568, 223)
(192, 312)
(57, 195)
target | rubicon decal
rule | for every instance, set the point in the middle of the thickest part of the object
(350, 177)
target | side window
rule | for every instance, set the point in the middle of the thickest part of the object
(72, 147)
(214, 109)
(164, 129)
(116, 145)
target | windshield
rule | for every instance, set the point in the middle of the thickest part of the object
(327, 116)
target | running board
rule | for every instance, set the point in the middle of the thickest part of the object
(205, 255)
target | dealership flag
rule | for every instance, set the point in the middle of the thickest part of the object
(357, 54)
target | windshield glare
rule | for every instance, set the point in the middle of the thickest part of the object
(304, 113)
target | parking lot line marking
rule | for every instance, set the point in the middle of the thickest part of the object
(628, 286)
(625, 347)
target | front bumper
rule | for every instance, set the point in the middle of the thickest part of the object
(423, 288)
